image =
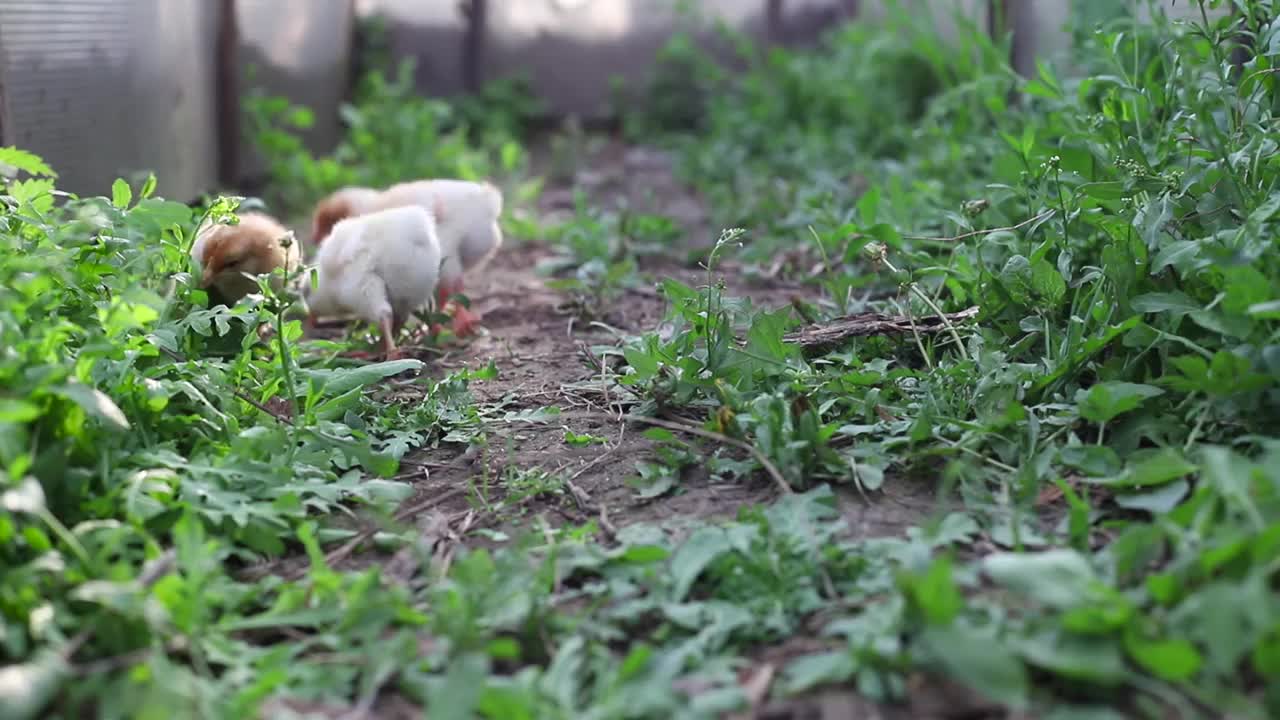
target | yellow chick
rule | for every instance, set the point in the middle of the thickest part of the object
(231, 255)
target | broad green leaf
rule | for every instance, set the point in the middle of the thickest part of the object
(1152, 468)
(1157, 501)
(811, 671)
(956, 528)
(1092, 460)
(1059, 578)
(1015, 276)
(1266, 655)
(338, 382)
(27, 498)
(160, 214)
(1090, 658)
(13, 410)
(1182, 255)
(146, 492)
(764, 339)
(1175, 303)
(34, 194)
(935, 593)
(26, 689)
(1104, 401)
(1231, 475)
(1269, 310)
(1172, 659)
(1069, 712)
(644, 363)
(24, 161)
(1048, 284)
(869, 206)
(1245, 287)
(533, 416)
(644, 554)
(463, 684)
(1225, 620)
(121, 194)
(980, 661)
(691, 558)
(95, 402)
(653, 486)
(1261, 214)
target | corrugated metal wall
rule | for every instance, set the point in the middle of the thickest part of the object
(105, 88)
(570, 50)
(301, 49)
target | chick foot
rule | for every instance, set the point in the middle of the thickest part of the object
(464, 321)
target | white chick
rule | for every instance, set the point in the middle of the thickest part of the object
(230, 255)
(380, 267)
(466, 218)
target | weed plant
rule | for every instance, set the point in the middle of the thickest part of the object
(1116, 228)
(1107, 426)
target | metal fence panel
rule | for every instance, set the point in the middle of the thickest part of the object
(433, 32)
(108, 88)
(300, 49)
(569, 50)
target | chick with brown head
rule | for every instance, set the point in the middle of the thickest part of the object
(340, 205)
(230, 256)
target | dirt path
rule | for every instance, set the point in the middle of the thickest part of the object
(544, 355)
(543, 352)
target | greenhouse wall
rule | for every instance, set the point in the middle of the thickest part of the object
(105, 88)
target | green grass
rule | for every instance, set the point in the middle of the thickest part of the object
(1107, 425)
(1117, 230)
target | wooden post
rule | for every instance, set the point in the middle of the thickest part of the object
(1243, 50)
(774, 23)
(227, 94)
(1004, 17)
(4, 110)
(4, 138)
(997, 18)
(476, 13)
(354, 65)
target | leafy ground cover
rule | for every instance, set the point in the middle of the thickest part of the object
(1041, 479)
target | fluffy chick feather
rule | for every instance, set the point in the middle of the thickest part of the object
(256, 246)
(340, 205)
(380, 267)
(466, 219)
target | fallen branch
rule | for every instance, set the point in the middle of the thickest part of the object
(834, 332)
(976, 233)
(691, 429)
(344, 551)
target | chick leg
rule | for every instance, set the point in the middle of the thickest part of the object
(464, 321)
(389, 326)
(444, 294)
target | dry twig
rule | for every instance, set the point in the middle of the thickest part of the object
(683, 427)
(834, 332)
(976, 233)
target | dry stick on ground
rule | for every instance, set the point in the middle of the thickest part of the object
(349, 547)
(976, 233)
(840, 329)
(152, 572)
(770, 468)
(584, 502)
